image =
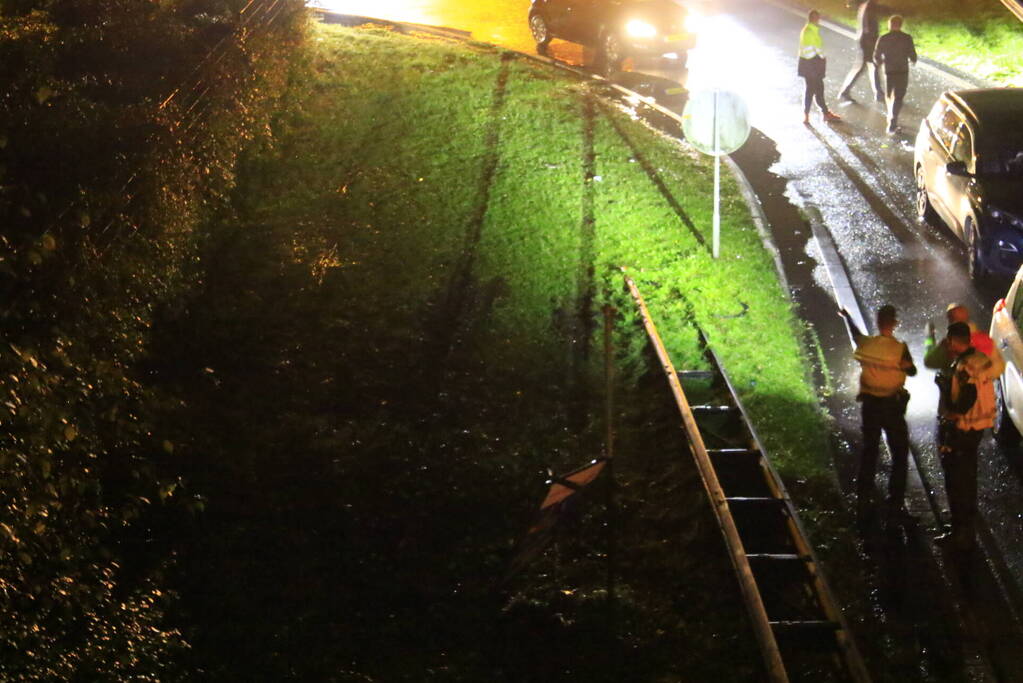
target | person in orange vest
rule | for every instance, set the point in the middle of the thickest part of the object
(885, 362)
(966, 408)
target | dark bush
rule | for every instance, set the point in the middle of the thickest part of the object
(120, 126)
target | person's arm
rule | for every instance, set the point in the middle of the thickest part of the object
(997, 363)
(878, 51)
(907, 364)
(854, 331)
(936, 355)
(912, 50)
(967, 394)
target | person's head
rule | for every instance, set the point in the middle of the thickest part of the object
(895, 22)
(886, 318)
(813, 17)
(958, 337)
(957, 313)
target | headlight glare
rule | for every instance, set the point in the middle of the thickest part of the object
(694, 21)
(640, 29)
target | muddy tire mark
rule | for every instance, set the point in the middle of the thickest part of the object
(654, 175)
(587, 224)
(453, 305)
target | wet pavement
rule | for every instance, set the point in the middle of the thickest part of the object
(852, 185)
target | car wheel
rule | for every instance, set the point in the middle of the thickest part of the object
(611, 52)
(541, 33)
(976, 267)
(1005, 431)
(924, 210)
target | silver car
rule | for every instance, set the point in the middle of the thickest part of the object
(1005, 325)
(968, 162)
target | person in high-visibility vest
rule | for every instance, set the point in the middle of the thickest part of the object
(966, 408)
(885, 362)
(812, 65)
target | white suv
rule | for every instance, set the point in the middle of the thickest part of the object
(1005, 325)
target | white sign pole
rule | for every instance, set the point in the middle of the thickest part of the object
(715, 122)
(717, 182)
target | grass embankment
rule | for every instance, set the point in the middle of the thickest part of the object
(400, 328)
(979, 37)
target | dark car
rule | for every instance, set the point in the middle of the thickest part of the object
(616, 29)
(969, 174)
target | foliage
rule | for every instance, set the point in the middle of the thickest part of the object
(976, 36)
(119, 128)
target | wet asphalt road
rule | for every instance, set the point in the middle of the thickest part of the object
(855, 183)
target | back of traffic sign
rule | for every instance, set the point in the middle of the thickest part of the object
(715, 122)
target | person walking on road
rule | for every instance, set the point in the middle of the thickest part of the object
(885, 362)
(966, 408)
(895, 50)
(812, 66)
(867, 17)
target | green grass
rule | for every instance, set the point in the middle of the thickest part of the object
(399, 330)
(979, 37)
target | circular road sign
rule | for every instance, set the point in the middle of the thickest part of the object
(715, 122)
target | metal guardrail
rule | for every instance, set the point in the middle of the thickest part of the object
(1014, 6)
(793, 613)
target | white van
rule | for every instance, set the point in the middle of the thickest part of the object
(1006, 320)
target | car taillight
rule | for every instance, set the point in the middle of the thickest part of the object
(1000, 306)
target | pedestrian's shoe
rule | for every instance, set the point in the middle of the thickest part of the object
(806, 119)
(893, 129)
(831, 116)
(879, 97)
(844, 96)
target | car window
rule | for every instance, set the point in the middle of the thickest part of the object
(948, 128)
(962, 144)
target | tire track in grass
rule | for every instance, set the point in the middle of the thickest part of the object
(582, 329)
(585, 285)
(448, 321)
(654, 175)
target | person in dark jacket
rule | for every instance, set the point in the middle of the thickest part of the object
(895, 50)
(867, 21)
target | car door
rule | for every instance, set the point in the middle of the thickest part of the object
(944, 128)
(586, 19)
(558, 15)
(958, 198)
(1011, 345)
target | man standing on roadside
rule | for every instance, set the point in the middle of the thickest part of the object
(966, 408)
(895, 50)
(867, 21)
(885, 362)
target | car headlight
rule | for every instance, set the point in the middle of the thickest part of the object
(694, 21)
(1005, 217)
(640, 29)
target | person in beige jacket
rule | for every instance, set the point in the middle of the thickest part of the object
(885, 362)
